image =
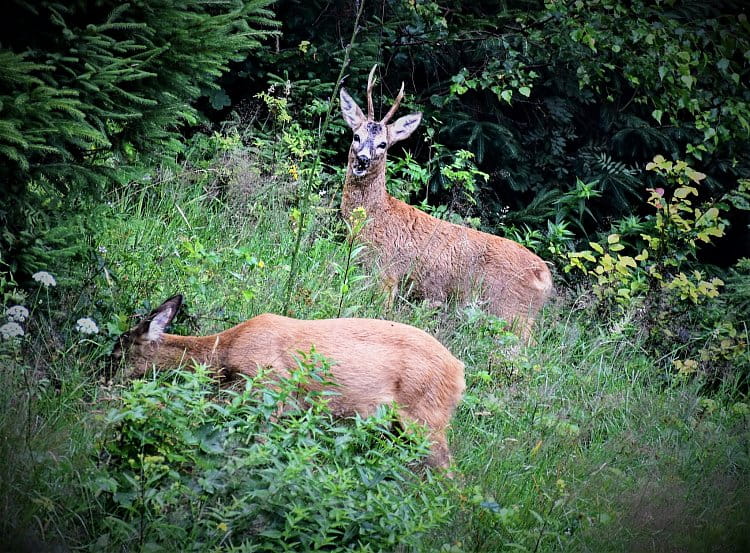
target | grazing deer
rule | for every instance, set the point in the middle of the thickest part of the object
(440, 258)
(374, 362)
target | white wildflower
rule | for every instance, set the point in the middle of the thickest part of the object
(86, 325)
(102, 249)
(10, 330)
(17, 313)
(43, 277)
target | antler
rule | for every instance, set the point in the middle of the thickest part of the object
(370, 85)
(394, 107)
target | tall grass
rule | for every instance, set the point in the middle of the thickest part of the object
(575, 443)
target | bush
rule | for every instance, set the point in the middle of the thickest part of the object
(651, 266)
(192, 468)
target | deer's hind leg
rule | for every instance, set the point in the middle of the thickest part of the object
(440, 456)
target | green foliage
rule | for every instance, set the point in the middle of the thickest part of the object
(569, 446)
(545, 94)
(684, 80)
(405, 176)
(674, 232)
(191, 469)
(452, 173)
(462, 174)
(97, 88)
(354, 227)
(658, 268)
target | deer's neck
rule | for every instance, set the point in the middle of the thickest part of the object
(174, 350)
(367, 191)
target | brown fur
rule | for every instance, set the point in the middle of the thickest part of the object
(440, 259)
(375, 362)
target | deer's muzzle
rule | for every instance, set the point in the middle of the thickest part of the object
(361, 165)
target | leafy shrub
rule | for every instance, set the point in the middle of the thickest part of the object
(192, 468)
(655, 268)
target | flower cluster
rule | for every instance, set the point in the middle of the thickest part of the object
(11, 330)
(86, 325)
(16, 315)
(44, 278)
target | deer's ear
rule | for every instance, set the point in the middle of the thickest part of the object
(350, 110)
(160, 318)
(403, 127)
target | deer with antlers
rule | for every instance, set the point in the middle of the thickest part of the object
(441, 259)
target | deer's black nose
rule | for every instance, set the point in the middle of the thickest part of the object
(363, 160)
(362, 165)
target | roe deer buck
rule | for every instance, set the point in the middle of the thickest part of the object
(440, 258)
(374, 362)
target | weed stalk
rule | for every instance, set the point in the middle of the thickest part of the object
(303, 198)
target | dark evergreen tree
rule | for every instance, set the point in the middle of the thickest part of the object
(90, 88)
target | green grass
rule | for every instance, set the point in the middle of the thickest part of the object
(575, 443)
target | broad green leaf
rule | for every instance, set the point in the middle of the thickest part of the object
(711, 213)
(588, 257)
(683, 191)
(695, 176)
(626, 261)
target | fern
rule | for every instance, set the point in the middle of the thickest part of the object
(619, 182)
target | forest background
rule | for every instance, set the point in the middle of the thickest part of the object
(189, 146)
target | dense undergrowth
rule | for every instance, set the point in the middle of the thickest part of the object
(585, 440)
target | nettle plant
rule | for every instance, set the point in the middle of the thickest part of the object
(193, 467)
(653, 265)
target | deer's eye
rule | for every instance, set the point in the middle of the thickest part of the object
(381, 145)
(356, 138)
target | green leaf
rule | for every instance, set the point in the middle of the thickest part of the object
(596, 247)
(219, 99)
(683, 191)
(626, 261)
(525, 90)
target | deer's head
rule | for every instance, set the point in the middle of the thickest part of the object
(373, 138)
(136, 349)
